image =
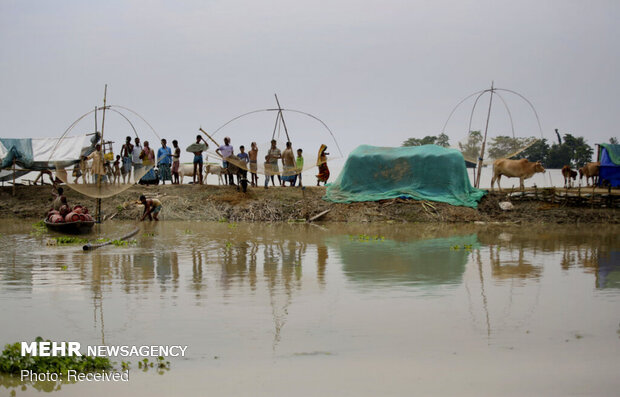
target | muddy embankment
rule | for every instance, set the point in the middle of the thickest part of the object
(214, 203)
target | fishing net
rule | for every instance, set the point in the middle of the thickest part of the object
(302, 129)
(497, 147)
(502, 140)
(99, 171)
(310, 160)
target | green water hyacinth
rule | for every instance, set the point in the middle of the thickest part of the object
(12, 362)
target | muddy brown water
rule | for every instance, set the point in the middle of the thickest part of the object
(335, 309)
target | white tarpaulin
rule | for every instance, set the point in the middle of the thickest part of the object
(50, 150)
(3, 151)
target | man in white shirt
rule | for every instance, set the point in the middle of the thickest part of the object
(136, 160)
(226, 151)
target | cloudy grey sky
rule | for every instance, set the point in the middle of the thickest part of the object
(376, 72)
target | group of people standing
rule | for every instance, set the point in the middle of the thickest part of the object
(136, 157)
(239, 164)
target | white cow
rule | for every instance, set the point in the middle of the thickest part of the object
(188, 170)
(215, 169)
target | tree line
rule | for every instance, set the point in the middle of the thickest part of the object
(569, 150)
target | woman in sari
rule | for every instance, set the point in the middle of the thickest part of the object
(148, 161)
(321, 162)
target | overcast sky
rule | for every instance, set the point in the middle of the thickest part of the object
(377, 72)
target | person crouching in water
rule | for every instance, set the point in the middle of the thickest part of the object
(152, 207)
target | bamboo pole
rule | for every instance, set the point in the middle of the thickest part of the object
(484, 141)
(209, 136)
(13, 176)
(105, 94)
(282, 118)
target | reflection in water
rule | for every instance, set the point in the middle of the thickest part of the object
(388, 262)
(322, 257)
(270, 292)
(608, 270)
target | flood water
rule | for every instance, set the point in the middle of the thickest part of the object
(330, 310)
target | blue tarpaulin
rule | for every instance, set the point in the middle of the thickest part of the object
(609, 172)
(16, 149)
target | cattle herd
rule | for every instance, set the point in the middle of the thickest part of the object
(525, 169)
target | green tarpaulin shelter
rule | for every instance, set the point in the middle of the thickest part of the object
(428, 172)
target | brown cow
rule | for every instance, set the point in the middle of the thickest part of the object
(522, 169)
(590, 170)
(568, 174)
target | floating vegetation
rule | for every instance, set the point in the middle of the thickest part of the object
(12, 362)
(69, 240)
(229, 245)
(148, 234)
(466, 247)
(119, 208)
(232, 225)
(366, 238)
(123, 243)
(188, 231)
(73, 240)
(160, 364)
(39, 228)
(222, 220)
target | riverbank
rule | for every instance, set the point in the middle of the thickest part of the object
(215, 203)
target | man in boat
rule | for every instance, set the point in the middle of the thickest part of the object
(152, 207)
(59, 203)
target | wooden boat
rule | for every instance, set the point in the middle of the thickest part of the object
(77, 227)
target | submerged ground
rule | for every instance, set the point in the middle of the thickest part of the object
(214, 203)
(287, 309)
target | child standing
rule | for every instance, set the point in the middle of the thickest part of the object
(117, 170)
(299, 164)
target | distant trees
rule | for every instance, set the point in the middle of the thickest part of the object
(471, 147)
(504, 146)
(440, 140)
(537, 152)
(573, 151)
(613, 140)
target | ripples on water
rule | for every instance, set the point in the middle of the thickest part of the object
(299, 297)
